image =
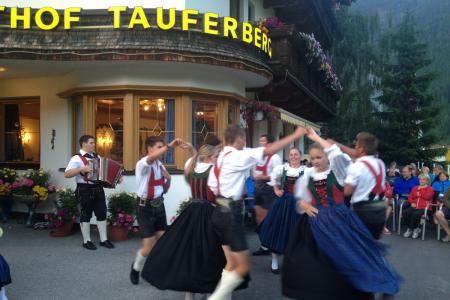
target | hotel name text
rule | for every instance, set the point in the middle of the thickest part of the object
(48, 18)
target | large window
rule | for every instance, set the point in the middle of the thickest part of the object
(20, 131)
(157, 118)
(109, 128)
(235, 9)
(204, 121)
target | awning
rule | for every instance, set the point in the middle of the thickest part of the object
(290, 118)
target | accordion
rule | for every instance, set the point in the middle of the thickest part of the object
(105, 172)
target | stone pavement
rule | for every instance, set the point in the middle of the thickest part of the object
(59, 268)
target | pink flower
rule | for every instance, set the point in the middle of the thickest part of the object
(1, 181)
(120, 215)
(129, 218)
(58, 223)
(115, 224)
(15, 185)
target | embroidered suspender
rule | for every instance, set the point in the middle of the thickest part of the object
(152, 182)
(378, 189)
(263, 168)
(217, 170)
(85, 162)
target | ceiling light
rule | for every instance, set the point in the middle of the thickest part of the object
(146, 107)
(2, 69)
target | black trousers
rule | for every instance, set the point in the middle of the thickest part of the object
(373, 215)
(92, 200)
(412, 216)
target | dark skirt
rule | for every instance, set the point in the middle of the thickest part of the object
(188, 257)
(308, 274)
(348, 243)
(5, 277)
(277, 226)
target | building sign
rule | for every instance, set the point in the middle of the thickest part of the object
(48, 18)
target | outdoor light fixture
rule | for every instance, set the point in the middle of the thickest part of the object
(3, 69)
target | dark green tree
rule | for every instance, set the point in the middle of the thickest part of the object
(408, 112)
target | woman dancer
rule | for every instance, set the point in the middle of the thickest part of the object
(331, 254)
(282, 216)
(188, 257)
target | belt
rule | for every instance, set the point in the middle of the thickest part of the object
(88, 185)
(155, 202)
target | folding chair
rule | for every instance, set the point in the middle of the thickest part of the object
(400, 200)
(425, 218)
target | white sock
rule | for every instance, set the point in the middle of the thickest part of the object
(86, 231)
(139, 261)
(189, 296)
(3, 294)
(229, 281)
(274, 261)
(101, 225)
(264, 248)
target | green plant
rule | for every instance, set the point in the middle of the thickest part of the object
(8, 175)
(66, 208)
(125, 202)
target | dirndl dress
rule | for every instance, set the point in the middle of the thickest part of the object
(280, 220)
(5, 276)
(189, 256)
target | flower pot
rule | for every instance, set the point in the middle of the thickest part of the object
(117, 233)
(31, 202)
(65, 230)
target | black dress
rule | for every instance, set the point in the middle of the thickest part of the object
(5, 277)
(188, 257)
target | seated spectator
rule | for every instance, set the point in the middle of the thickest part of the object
(419, 198)
(414, 170)
(425, 171)
(388, 193)
(443, 215)
(404, 184)
(392, 176)
(393, 165)
(441, 184)
(437, 169)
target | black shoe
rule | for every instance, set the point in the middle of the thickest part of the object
(107, 244)
(89, 245)
(261, 252)
(275, 271)
(134, 275)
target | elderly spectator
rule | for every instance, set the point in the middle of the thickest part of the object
(425, 171)
(443, 215)
(404, 184)
(414, 170)
(437, 169)
(419, 198)
(393, 165)
(441, 184)
(392, 176)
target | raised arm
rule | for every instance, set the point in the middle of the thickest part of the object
(158, 152)
(284, 142)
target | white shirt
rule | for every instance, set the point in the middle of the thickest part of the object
(277, 173)
(143, 172)
(274, 162)
(75, 163)
(338, 164)
(234, 171)
(200, 167)
(362, 180)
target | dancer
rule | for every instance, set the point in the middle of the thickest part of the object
(153, 181)
(366, 183)
(5, 277)
(264, 193)
(91, 196)
(227, 180)
(190, 252)
(331, 254)
(282, 216)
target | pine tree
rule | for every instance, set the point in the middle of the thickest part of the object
(408, 112)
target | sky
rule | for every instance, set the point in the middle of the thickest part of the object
(91, 4)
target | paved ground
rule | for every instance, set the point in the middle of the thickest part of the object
(59, 268)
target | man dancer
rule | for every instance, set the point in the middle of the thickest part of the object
(227, 180)
(264, 194)
(366, 182)
(153, 181)
(90, 196)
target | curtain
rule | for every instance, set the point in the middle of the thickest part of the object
(13, 140)
(169, 136)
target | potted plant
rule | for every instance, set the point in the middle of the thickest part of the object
(32, 188)
(66, 210)
(121, 208)
(7, 177)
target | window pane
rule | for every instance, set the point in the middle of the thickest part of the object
(21, 131)
(204, 121)
(157, 118)
(109, 128)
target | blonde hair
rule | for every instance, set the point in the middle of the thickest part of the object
(426, 177)
(205, 151)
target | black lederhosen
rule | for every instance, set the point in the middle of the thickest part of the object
(264, 194)
(151, 219)
(372, 214)
(228, 222)
(92, 199)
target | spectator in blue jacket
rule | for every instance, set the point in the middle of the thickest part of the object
(437, 169)
(442, 184)
(404, 184)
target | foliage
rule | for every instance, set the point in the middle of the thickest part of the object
(269, 23)
(66, 208)
(5, 188)
(251, 107)
(316, 55)
(33, 182)
(407, 108)
(183, 205)
(8, 175)
(121, 209)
